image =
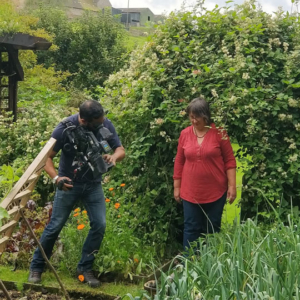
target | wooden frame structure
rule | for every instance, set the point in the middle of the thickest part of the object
(11, 70)
(21, 192)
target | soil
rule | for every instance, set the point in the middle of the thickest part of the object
(31, 295)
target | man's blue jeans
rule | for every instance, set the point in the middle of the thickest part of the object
(201, 219)
(92, 197)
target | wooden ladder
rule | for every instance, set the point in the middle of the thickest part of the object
(21, 192)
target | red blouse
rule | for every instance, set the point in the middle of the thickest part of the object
(202, 168)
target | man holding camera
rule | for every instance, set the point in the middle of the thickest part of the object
(79, 178)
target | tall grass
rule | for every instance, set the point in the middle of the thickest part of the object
(249, 262)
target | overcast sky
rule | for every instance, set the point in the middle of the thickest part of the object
(166, 6)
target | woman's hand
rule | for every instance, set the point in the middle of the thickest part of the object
(231, 194)
(177, 195)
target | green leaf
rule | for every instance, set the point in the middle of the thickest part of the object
(206, 68)
(3, 214)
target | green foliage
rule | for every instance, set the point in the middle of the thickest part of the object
(8, 177)
(245, 63)
(10, 20)
(248, 262)
(21, 141)
(3, 215)
(90, 47)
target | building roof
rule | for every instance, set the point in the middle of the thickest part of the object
(135, 10)
(93, 5)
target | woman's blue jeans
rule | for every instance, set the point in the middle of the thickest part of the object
(201, 219)
(92, 197)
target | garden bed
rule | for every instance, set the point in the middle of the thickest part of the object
(27, 291)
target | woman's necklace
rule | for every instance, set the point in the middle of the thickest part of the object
(200, 137)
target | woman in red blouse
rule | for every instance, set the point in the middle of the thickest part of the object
(204, 173)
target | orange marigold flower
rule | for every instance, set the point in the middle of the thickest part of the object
(84, 212)
(122, 184)
(76, 215)
(117, 205)
(77, 209)
(180, 100)
(81, 278)
(107, 200)
(136, 260)
(119, 216)
(80, 227)
(118, 262)
(111, 189)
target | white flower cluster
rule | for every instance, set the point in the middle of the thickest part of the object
(262, 167)
(237, 46)
(232, 99)
(182, 113)
(282, 117)
(292, 102)
(164, 134)
(159, 121)
(194, 90)
(245, 92)
(286, 139)
(297, 126)
(125, 91)
(156, 122)
(245, 42)
(214, 93)
(285, 46)
(293, 146)
(246, 76)
(106, 179)
(293, 158)
(225, 50)
(275, 41)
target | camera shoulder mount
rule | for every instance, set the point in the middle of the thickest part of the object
(86, 148)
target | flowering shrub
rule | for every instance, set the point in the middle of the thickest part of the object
(245, 62)
(121, 252)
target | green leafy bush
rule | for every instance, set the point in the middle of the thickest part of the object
(245, 63)
(21, 141)
(90, 47)
(8, 177)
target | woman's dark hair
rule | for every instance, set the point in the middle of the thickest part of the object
(91, 109)
(199, 108)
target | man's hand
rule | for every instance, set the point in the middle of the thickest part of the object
(231, 194)
(110, 159)
(177, 195)
(66, 186)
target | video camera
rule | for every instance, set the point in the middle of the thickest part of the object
(87, 149)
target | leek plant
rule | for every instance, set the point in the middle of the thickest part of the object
(247, 262)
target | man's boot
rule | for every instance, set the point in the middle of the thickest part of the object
(35, 277)
(88, 277)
